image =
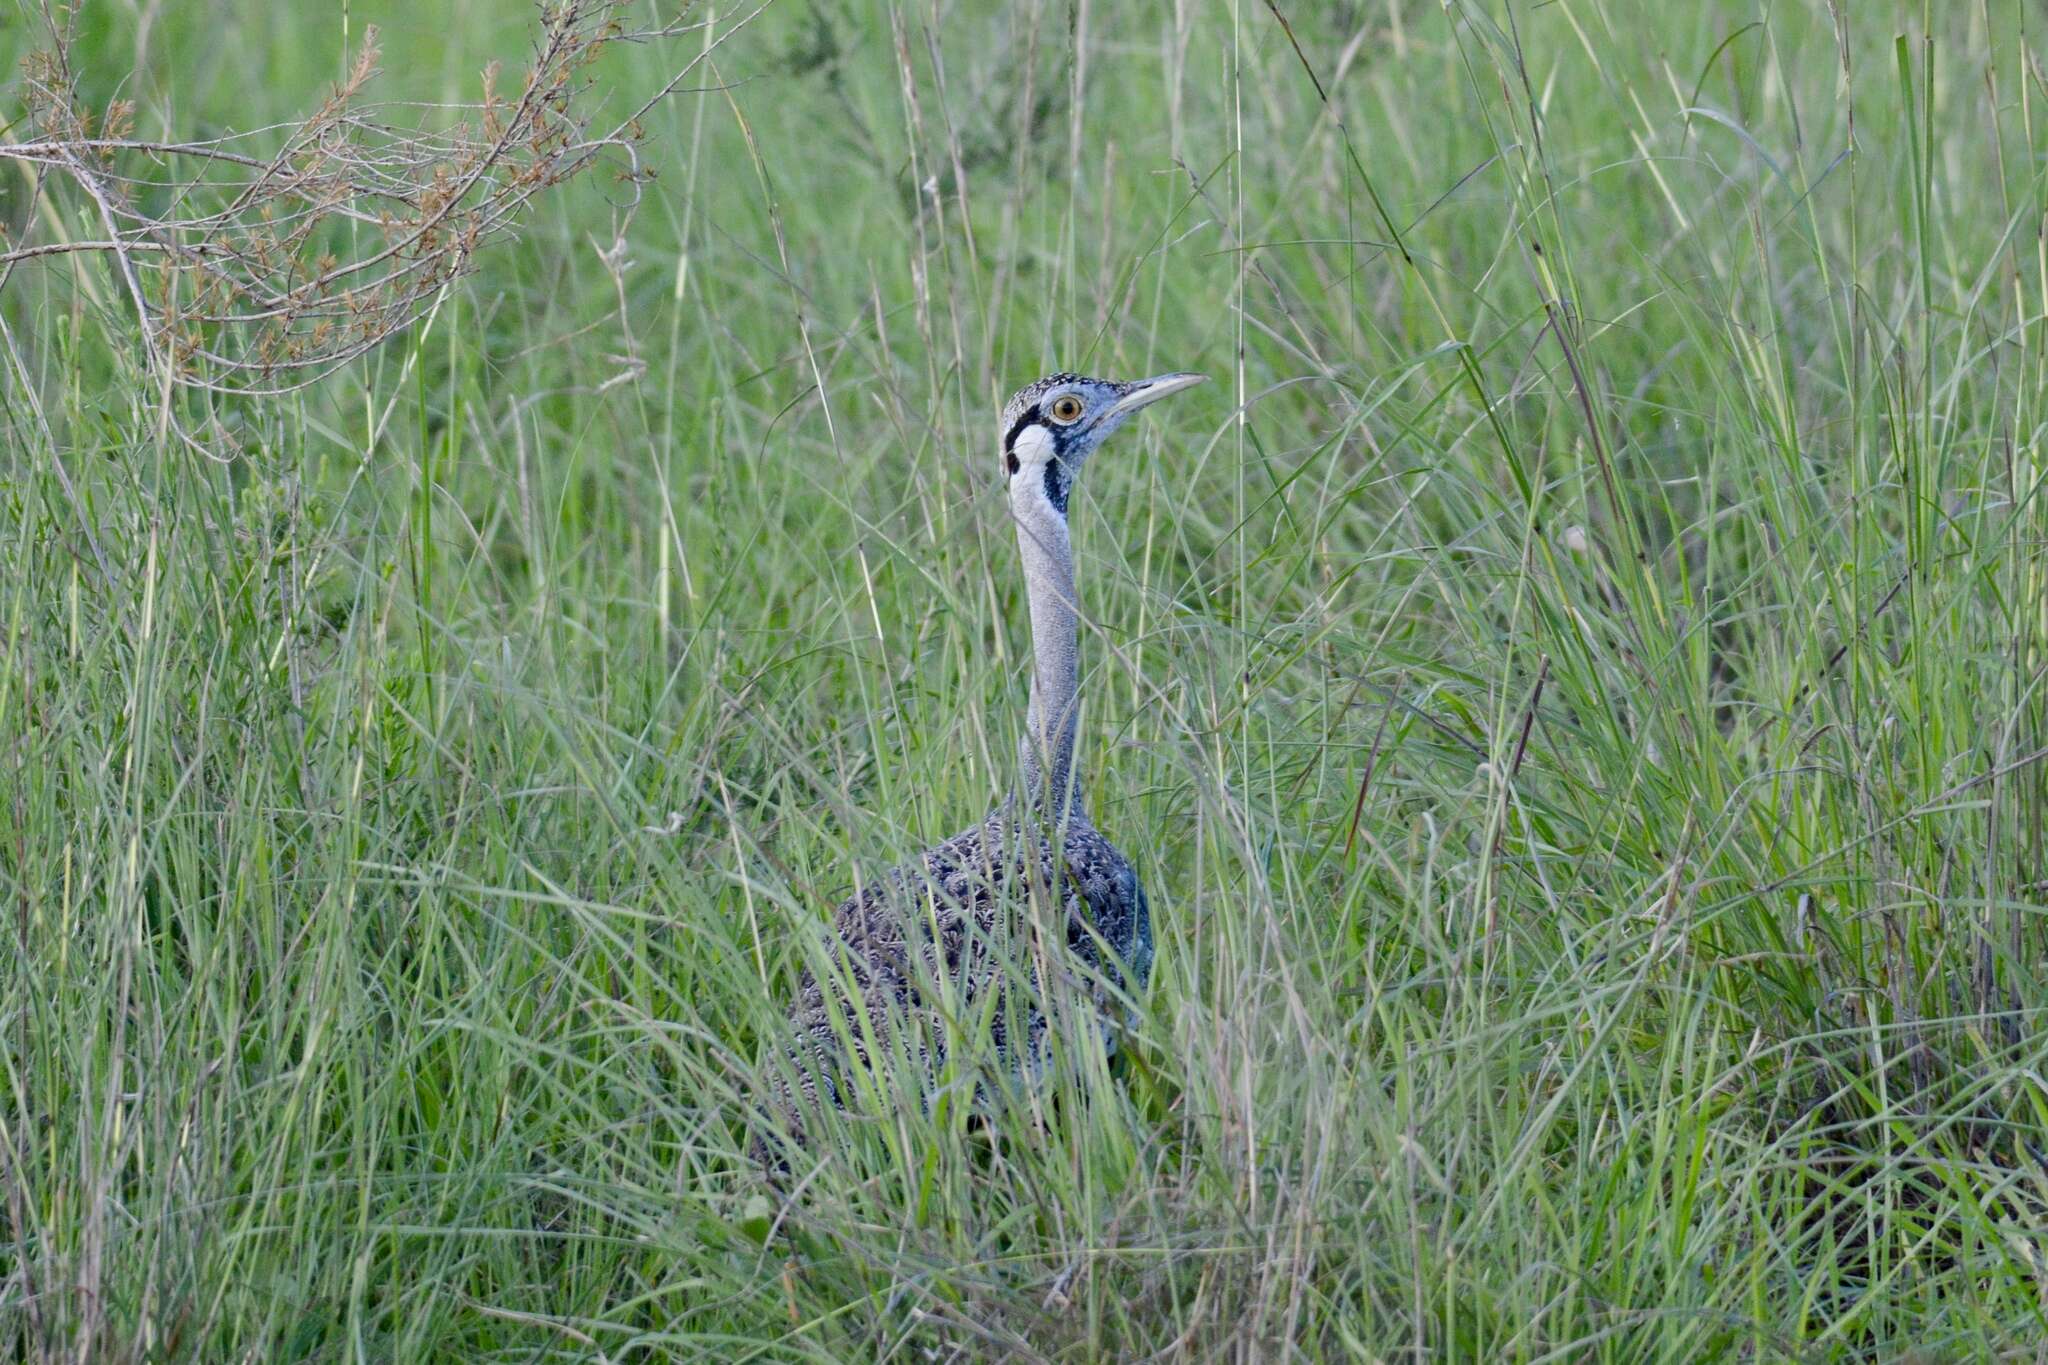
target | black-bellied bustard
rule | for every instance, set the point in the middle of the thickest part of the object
(938, 935)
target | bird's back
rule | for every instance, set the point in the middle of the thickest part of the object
(948, 932)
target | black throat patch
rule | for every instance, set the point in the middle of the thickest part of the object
(1058, 483)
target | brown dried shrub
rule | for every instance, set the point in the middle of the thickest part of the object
(259, 262)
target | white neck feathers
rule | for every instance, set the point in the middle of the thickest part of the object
(1047, 750)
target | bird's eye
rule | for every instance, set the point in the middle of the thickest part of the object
(1066, 408)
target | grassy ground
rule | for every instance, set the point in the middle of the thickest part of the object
(1573, 688)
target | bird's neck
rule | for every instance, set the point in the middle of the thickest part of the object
(1046, 753)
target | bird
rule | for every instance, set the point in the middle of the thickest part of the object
(948, 933)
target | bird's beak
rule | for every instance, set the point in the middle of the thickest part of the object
(1147, 391)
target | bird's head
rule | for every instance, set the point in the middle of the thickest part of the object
(1050, 428)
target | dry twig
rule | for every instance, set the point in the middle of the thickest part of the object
(259, 262)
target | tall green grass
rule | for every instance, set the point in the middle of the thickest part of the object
(1573, 690)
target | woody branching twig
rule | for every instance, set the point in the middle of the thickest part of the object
(259, 262)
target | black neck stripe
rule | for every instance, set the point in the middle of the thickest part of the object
(1057, 484)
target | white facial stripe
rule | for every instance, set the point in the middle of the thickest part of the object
(1033, 447)
(1029, 454)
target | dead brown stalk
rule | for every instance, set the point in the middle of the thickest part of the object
(259, 262)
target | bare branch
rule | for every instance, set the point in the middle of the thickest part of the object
(260, 262)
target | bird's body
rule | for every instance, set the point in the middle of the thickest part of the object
(979, 931)
(955, 923)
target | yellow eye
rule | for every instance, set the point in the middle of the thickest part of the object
(1066, 408)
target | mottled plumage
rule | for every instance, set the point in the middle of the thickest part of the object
(987, 925)
(954, 918)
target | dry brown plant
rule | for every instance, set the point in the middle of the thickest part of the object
(259, 262)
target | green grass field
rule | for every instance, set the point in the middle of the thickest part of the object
(1574, 686)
